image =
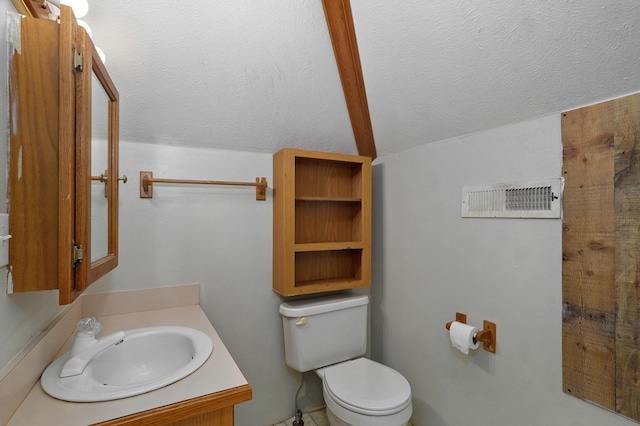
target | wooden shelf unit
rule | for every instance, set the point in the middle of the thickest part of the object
(321, 222)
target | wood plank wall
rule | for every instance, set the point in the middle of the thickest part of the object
(627, 248)
(601, 245)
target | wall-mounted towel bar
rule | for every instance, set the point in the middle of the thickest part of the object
(147, 180)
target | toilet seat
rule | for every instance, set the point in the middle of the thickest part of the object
(367, 387)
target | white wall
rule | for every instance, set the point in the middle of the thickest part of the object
(217, 236)
(430, 263)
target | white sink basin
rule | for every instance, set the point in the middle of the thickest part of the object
(147, 359)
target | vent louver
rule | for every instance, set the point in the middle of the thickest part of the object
(532, 199)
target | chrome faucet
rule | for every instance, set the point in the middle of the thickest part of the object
(86, 346)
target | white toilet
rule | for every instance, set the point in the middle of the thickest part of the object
(329, 334)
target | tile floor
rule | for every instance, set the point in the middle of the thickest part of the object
(312, 418)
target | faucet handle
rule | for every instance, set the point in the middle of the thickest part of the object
(88, 327)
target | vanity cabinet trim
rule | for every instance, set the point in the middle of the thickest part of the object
(184, 410)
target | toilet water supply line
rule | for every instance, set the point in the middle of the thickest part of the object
(298, 417)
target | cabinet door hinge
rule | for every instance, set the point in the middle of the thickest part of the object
(78, 60)
(77, 255)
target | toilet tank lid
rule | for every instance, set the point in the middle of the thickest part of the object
(319, 305)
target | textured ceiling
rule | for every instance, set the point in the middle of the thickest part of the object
(261, 75)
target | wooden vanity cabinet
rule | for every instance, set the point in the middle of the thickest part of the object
(49, 158)
(321, 222)
(211, 410)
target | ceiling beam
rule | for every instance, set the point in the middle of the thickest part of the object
(345, 47)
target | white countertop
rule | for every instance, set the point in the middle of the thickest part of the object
(218, 373)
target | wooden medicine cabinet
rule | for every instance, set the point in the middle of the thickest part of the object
(321, 222)
(55, 76)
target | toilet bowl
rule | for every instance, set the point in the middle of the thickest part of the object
(362, 392)
(328, 334)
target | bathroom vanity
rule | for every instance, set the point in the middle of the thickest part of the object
(207, 396)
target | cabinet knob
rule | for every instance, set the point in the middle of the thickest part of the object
(103, 178)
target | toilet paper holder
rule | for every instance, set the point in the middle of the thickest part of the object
(487, 336)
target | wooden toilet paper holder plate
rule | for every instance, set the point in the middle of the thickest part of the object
(487, 336)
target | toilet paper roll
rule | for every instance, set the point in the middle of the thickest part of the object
(462, 337)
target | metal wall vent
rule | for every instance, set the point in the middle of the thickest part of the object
(532, 199)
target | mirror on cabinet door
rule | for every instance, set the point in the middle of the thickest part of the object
(99, 170)
(97, 131)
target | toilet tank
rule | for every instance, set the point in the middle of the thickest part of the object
(324, 330)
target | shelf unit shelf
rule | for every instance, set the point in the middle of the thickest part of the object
(322, 222)
(330, 199)
(346, 245)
